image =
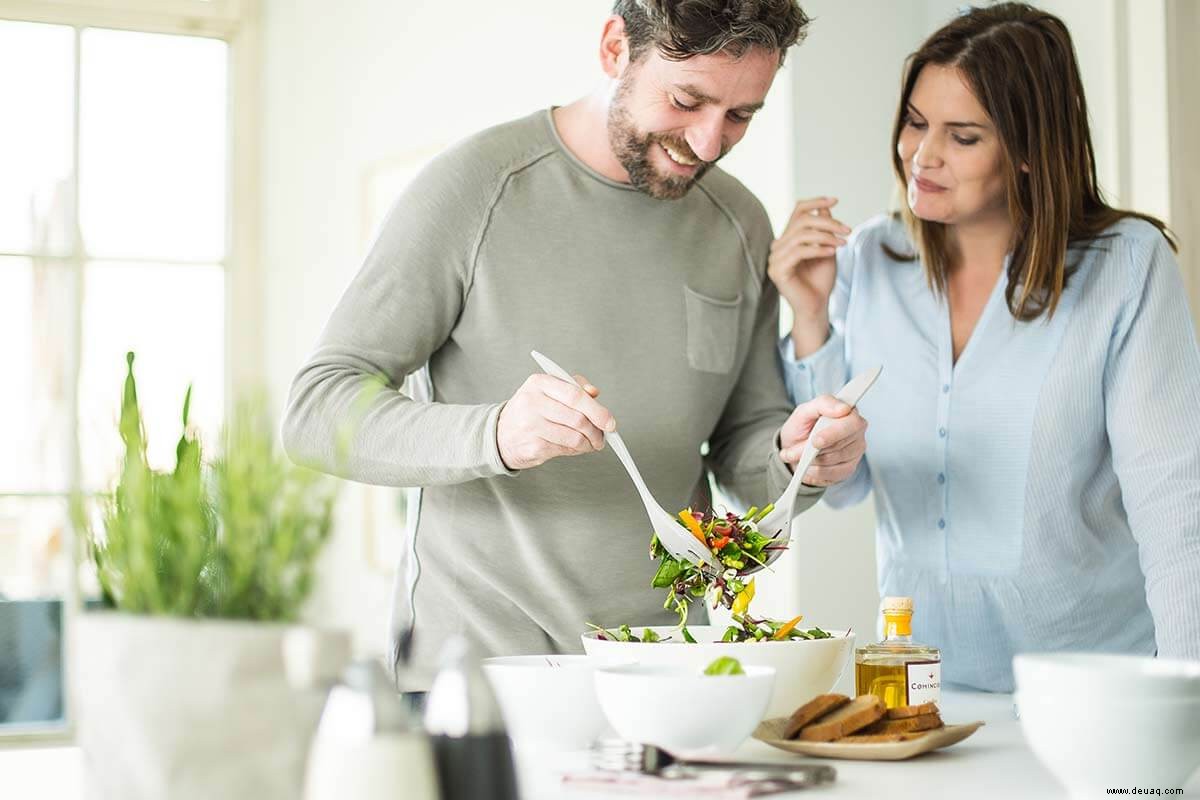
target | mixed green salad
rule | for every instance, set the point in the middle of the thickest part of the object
(736, 545)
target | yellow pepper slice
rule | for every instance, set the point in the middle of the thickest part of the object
(742, 601)
(786, 629)
(690, 523)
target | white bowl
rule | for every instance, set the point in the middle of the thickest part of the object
(684, 710)
(1095, 673)
(805, 668)
(548, 702)
(1101, 721)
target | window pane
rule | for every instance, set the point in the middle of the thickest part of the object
(173, 318)
(34, 561)
(33, 547)
(37, 334)
(36, 136)
(152, 146)
(31, 681)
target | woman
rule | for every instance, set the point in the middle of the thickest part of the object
(1034, 449)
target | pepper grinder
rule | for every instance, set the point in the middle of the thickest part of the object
(470, 745)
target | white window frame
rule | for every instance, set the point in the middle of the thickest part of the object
(238, 23)
(1183, 110)
(1156, 113)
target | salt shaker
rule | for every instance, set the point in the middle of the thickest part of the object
(368, 743)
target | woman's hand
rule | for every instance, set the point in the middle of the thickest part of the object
(803, 268)
(842, 443)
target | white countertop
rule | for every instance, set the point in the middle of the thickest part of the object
(994, 762)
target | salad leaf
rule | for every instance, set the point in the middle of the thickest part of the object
(668, 570)
(725, 665)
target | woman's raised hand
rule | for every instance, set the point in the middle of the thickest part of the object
(803, 268)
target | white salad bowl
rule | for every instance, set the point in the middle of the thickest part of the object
(1105, 721)
(548, 702)
(805, 667)
(681, 709)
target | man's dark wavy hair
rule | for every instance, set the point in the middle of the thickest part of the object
(680, 29)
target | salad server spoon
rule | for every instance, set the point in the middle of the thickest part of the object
(778, 523)
(671, 535)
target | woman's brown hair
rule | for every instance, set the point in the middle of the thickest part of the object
(1020, 63)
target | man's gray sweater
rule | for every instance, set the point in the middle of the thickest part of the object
(508, 243)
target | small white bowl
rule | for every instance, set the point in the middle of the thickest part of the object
(684, 710)
(806, 668)
(548, 702)
(1102, 721)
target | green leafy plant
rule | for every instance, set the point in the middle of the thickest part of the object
(235, 538)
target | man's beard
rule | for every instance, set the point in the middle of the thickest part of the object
(632, 149)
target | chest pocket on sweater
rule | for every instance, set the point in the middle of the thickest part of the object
(712, 331)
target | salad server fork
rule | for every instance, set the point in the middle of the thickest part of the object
(777, 524)
(671, 535)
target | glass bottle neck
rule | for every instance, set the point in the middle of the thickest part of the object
(897, 627)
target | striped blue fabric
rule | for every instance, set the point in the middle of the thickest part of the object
(1042, 493)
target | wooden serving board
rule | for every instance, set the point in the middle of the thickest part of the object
(771, 732)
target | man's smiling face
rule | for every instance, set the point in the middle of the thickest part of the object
(669, 121)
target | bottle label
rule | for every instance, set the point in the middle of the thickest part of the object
(924, 682)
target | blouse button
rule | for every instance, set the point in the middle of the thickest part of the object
(941, 524)
(945, 388)
(942, 432)
(941, 477)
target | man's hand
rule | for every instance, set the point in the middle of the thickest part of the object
(547, 418)
(842, 443)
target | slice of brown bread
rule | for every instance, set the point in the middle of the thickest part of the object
(921, 722)
(912, 711)
(876, 738)
(813, 710)
(855, 715)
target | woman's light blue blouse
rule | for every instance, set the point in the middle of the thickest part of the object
(1042, 493)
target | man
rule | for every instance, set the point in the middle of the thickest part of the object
(601, 234)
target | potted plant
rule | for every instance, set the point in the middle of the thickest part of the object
(178, 685)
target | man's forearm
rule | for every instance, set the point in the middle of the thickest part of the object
(339, 422)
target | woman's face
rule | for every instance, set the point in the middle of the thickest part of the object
(952, 158)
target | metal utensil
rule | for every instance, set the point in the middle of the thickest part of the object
(778, 523)
(671, 535)
(616, 755)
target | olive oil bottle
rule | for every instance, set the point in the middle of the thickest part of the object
(897, 670)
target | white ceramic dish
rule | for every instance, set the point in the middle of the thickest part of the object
(805, 668)
(684, 710)
(1101, 721)
(1095, 673)
(548, 702)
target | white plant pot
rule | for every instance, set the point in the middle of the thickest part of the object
(190, 709)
